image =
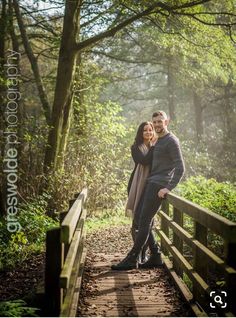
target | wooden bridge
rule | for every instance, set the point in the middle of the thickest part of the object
(203, 279)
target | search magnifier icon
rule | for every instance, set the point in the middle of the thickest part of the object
(218, 300)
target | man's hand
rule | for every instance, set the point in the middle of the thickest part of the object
(162, 193)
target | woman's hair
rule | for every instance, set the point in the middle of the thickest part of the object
(139, 135)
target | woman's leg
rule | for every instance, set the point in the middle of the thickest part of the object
(134, 230)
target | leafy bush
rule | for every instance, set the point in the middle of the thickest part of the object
(104, 155)
(17, 247)
(219, 197)
(16, 308)
(97, 159)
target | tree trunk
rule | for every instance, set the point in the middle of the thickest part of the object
(3, 28)
(80, 111)
(62, 105)
(16, 48)
(198, 110)
(34, 64)
(68, 110)
(228, 113)
(170, 87)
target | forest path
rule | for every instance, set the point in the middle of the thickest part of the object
(133, 293)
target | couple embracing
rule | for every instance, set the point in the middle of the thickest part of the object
(158, 169)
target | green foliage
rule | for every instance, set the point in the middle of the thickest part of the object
(187, 281)
(198, 160)
(219, 197)
(17, 308)
(34, 220)
(98, 150)
(106, 218)
(17, 247)
(103, 153)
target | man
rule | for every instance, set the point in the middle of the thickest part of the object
(166, 172)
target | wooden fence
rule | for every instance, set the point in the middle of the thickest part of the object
(65, 257)
(174, 238)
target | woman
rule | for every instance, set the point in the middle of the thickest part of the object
(141, 151)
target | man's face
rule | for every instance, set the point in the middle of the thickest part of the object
(159, 123)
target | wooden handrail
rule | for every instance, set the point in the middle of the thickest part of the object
(204, 220)
(65, 257)
(217, 223)
(70, 221)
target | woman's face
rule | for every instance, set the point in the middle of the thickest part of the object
(147, 132)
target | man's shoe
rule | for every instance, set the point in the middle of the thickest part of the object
(142, 258)
(154, 261)
(129, 262)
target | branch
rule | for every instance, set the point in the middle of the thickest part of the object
(123, 59)
(43, 24)
(40, 10)
(193, 15)
(111, 32)
(222, 97)
(189, 5)
(231, 35)
(85, 24)
(178, 34)
(34, 64)
(136, 77)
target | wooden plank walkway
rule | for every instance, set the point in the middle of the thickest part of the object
(134, 293)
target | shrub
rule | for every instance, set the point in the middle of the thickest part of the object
(16, 308)
(98, 159)
(17, 247)
(219, 197)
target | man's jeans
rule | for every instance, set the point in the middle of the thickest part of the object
(143, 218)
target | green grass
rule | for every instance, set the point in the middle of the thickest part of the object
(106, 218)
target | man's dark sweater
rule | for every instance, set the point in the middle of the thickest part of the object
(167, 165)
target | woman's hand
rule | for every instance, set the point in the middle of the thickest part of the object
(153, 141)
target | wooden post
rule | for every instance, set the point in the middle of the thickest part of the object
(230, 259)
(54, 259)
(200, 263)
(71, 202)
(62, 216)
(177, 241)
(164, 225)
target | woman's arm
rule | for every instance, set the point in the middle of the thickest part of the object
(139, 157)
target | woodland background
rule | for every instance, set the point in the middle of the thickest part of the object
(91, 71)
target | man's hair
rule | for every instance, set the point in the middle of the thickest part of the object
(160, 113)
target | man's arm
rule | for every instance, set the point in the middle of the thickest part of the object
(178, 163)
(176, 156)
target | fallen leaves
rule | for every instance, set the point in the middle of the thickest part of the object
(110, 293)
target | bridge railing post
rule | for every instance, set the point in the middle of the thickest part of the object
(164, 225)
(200, 263)
(177, 241)
(230, 259)
(54, 261)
